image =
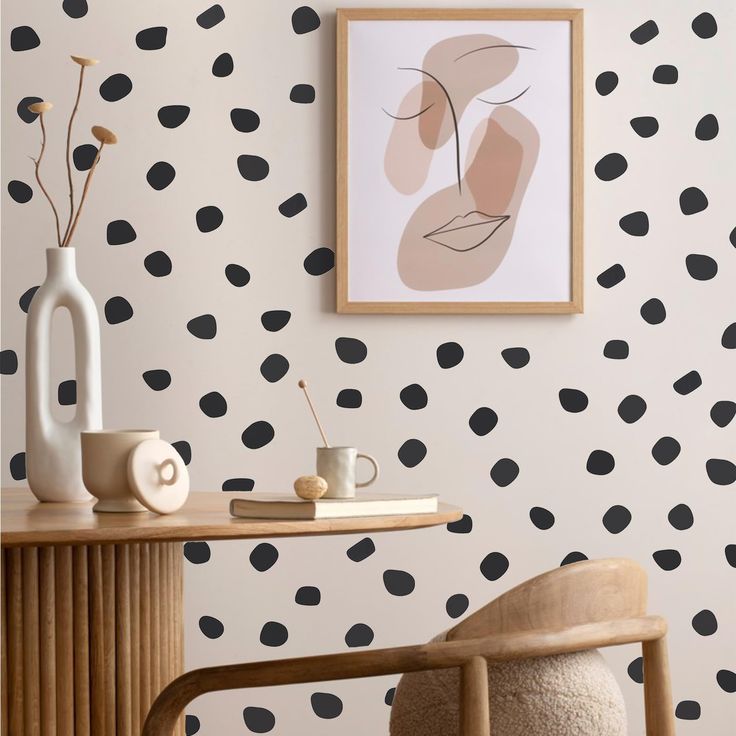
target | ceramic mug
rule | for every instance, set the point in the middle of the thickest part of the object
(105, 466)
(337, 466)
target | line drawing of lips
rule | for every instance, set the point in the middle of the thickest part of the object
(478, 227)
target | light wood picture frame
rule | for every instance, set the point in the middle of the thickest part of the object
(441, 151)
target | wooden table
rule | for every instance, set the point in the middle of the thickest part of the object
(92, 625)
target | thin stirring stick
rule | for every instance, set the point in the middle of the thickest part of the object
(303, 386)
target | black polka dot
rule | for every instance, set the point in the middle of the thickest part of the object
(197, 552)
(644, 126)
(223, 65)
(722, 412)
(157, 264)
(610, 167)
(667, 559)
(209, 218)
(635, 223)
(665, 74)
(18, 466)
(26, 298)
(681, 517)
(732, 237)
(726, 680)
(294, 205)
(494, 566)
(24, 113)
(361, 550)
(66, 393)
(304, 20)
(349, 398)
(704, 25)
(456, 605)
(84, 156)
(616, 350)
(211, 627)
(274, 634)
(264, 556)
(541, 518)
(606, 82)
(692, 201)
(616, 519)
(151, 39)
(253, 168)
(504, 472)
(516, 357)
(413, 396)
(257, 435)
(75, 8)
(274, 367)
(688, 383)
(636, 670)
(160, 175)
(644, 33)
(730, 552)
(9, 363)
(19, 191)
(350, 350)
(275, 319)
(244, 120)
(483, 420)
(172, 116)
(238, 485)
(572, 557)
(600, 462)
(115, 87)
(120, 232)
(191, 725)
(463, 525)
(308, 595)
(319, 261)
(184, 449)
(24, 38)
(258, 720)
(688, 710)
(398, 582)
(237, 275)
(359, 635)
(666, 450)
(449, 354)
(213, 405)
(721, 472)
(707, 128)
(573, 400)
(388, 698)
(653, 311)
(326, 705)
(632, 408)
(204, 327)
(701, 267)
(302, 93)
(117, 310)
(211, 17)
(611, 276)
(412, 452)
(728, 339)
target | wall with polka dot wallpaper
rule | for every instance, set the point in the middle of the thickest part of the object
(208, 244)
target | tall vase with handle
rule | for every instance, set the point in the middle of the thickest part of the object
(53, 455)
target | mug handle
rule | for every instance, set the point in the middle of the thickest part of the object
(168, 463)
(374, 463)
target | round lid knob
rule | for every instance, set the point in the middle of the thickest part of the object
(158, 476)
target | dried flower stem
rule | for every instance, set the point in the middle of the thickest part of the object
(68, 152)
(37, 162)
(87, 181)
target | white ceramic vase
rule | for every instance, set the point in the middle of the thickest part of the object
(53, 451)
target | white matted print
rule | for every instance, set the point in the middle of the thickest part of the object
(455, 173)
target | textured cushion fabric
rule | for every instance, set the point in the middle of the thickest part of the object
(565, 695)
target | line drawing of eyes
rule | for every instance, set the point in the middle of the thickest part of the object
(504, 102)
(408, 117)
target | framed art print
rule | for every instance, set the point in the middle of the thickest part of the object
(459, 161)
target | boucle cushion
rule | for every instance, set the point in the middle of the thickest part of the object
(565, 695)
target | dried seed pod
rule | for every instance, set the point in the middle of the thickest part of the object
(40, 107)
(84, 60)
(103, 135)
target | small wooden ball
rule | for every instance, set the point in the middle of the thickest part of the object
(310, 487)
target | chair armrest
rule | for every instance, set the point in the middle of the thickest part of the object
(372, 663)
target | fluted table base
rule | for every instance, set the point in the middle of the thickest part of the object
(90, 636)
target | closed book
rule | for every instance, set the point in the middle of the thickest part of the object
(276, 506)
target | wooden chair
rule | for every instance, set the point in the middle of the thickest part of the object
(585, 605)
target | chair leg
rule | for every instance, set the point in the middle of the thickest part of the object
(474, 712)
(657, 690)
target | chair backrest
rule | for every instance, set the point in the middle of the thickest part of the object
(580, 593)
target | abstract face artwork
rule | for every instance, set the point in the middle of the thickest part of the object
(456, 162)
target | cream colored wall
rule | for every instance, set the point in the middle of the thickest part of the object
(549, 444)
